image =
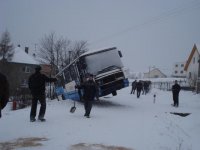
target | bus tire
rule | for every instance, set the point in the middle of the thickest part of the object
(114, 93)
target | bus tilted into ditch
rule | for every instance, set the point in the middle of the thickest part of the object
(104, 64)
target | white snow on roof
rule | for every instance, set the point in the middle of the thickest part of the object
(20, 56)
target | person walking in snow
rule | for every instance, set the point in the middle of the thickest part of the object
(37, 87)
(4, 92)
(146, 87)
(175, 92)
(139, 87)
(89, 93)
(134, 83)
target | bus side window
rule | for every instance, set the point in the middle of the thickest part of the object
(83, 64)
(120, 54)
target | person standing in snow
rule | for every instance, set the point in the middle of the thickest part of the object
(4, 91)
(37, 87)
(175, 92)
(139, 87)
(133, 87)
(89, 93)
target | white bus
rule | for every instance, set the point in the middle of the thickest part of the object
(104, 64)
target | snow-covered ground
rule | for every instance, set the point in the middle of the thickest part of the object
(122, 121)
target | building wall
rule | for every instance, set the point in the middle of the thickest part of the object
(154, 74)
(178, 70)
(17, 75)
(192, 72)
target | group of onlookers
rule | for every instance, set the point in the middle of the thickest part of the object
(144, 87)
(140, 86)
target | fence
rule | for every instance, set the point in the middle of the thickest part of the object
(167, 85)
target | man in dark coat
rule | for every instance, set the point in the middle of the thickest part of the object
(139, 87)
(175, 91)
(37, 87)
(4, 91)
(89, 93)
(146, 87)
(133, 87)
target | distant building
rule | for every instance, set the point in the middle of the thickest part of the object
(178, 70)
(192, 66)
(154, 73)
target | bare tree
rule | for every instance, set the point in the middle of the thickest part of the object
(46, 53)
(59, 51)
(61, 47)
(52, 50)
(6, 47)
(78, 48)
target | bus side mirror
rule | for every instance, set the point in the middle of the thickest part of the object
(120, 54)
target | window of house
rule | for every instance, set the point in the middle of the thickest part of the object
(176, 65)
(175, 72)
(193, 60)
(182, 65)
(181, 71)
(190, 75)
(26, 69)
(156, 76)
(24, 82)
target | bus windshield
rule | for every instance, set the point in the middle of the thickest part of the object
(98, 63)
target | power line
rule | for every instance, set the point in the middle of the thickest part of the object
(193, 5)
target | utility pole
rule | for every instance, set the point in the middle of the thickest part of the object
(149, 71)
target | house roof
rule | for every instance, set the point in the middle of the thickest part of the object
(194, 49)
(20, 56)
(156, 69)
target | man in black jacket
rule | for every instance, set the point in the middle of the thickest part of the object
(175, 91)
(89, 92)
(4, 91)
(139, 87)
(134, 83)
(37, 87)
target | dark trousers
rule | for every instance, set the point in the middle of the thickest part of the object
(42, 100)
(138, 93)
(176, 99)
(133, 90)
(88, 107)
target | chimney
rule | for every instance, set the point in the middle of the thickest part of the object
(26, 50)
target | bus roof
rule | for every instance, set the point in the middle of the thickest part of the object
(92, 52)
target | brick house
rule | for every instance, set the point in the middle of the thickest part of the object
(18, 70)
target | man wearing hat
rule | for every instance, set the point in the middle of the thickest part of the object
(37, 87)
(89, 92)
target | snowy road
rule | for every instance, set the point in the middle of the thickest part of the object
(121, 121)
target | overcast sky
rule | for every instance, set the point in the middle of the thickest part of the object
(148, 32)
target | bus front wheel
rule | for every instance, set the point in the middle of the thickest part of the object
(114, 93)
